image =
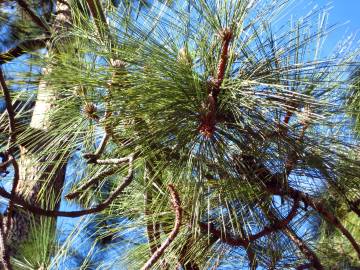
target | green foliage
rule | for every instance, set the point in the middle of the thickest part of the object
(157, 97)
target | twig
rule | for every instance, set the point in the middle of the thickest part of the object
(113, 161)
(274, 185)
(36, 19)
(22, 48)
(92, 157)
(53, 213)
(95, 179)
(175, 201)
(5, 258)
(304, 266)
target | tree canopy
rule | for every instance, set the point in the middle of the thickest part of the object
(195, 134)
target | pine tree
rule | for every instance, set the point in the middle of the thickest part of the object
(205, 133)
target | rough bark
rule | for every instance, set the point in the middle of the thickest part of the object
(36, 170)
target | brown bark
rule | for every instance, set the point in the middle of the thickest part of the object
(5, 258)
(36, 170)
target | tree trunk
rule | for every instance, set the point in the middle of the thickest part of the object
(37, 169)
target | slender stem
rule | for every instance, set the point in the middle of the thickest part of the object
(175, 201)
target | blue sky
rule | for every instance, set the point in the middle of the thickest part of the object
(345, 10)
(342, 11)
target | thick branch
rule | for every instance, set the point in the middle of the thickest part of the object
(22, 48)
(175, 201)
(52, 213)
(308, 253)
(319, 207)
(36, 19)
(208, 120)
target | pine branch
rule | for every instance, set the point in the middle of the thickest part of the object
(176, 204)
(93, 157)
(319, 207)
(36, 19)
(308, 253)
(208, 121)
(92, 181)
(244, 242)
(9, 108)
(22, 48)
(53, 213)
